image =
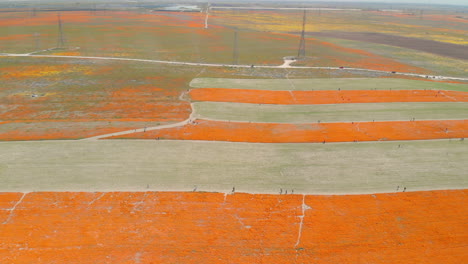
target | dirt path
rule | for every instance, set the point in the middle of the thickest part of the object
(182, 97)
(229, 65)
(191, 119)
(287, 63)
(138, 130)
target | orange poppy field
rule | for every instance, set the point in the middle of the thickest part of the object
(125, 74)
(324, 97)
(178, 227)
(303, 133)
(78, 101)
(320, 132)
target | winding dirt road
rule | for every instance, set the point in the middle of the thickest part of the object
(284, 65)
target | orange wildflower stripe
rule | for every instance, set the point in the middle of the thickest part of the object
(313, 132)
(181, 227)
(58, 134)
(324, 97)
(89, 120)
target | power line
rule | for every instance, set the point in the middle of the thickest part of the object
(235, 53)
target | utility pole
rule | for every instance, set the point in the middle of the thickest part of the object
(61, 38)
(235, 53)
(301, 51)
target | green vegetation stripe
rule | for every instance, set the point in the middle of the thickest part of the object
(325, 84)
(330, 113)
(112, 165)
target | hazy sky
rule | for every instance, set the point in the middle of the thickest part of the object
(453, 2)
(450, 2)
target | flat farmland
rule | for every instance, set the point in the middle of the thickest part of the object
(163, 36)
(152, 165)
(430, 46)
(311, 113)
(70, 99)
(432, 62)
(440, 32)
(159, 35)
(196, 137)
(446, 28)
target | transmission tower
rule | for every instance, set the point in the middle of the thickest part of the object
(301, 51)
(61, 38)
(235, 53)
(207, 14)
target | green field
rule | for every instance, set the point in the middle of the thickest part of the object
(158, 35)
(325, 84)
(51, 98)
(80, 97)
(330, 113)
(286, 21)
(119, 165)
